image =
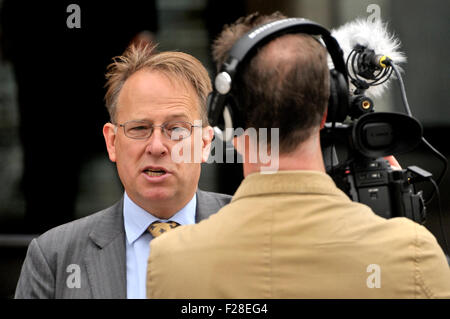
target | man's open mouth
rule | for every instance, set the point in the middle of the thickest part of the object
(154, 172)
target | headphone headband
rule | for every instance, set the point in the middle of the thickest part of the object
(257, 37)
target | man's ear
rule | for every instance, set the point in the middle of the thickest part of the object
(324, 119)
(241, 143)
(207, 136)
(109, 133)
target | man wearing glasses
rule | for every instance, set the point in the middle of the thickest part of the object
(157, 104)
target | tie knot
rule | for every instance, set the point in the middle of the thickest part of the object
(158, 228)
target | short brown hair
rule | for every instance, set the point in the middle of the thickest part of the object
(284, 85)
(178, 64)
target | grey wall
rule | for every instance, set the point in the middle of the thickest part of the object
(423, 27)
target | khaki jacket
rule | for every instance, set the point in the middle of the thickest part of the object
(294, 234)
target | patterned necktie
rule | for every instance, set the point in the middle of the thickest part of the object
(158, 228)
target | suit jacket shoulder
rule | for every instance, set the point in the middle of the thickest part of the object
(71, 260)
(209, 203)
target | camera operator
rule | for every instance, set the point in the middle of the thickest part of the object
(292, 233)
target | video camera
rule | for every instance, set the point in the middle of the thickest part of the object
(355, 151)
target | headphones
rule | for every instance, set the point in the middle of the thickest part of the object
(219, 101)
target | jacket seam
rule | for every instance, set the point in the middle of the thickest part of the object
(418, 276)
(48, 266)
(270, 256)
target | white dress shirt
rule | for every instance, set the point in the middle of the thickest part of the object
(136, 222)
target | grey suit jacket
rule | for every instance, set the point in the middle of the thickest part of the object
(86, 258)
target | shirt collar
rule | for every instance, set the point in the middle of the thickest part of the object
(137, 220)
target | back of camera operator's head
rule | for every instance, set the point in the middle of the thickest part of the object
(285, 85)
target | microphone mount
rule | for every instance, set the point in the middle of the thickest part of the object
(368, 68)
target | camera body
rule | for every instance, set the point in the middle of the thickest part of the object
(354, 157)
(388, 192)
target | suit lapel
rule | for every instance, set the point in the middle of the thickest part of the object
(106, 257)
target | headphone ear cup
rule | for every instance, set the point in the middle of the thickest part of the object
(216, 104)
(214, 108)
(338, 104)
(221, 112)
(236, 114)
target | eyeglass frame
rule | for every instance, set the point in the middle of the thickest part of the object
(162, 126)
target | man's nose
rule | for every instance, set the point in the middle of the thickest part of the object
(157, 143)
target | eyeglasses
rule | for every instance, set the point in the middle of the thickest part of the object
(140, 130)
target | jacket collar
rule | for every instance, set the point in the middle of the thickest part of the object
(294, 181)
(106, 260)
(110, 226)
